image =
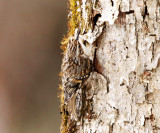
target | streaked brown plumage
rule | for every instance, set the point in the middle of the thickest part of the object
(76, 67)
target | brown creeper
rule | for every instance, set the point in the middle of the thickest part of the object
(76, 67)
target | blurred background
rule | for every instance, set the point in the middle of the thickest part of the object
(30, 60)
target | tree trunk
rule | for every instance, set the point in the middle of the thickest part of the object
(122, 93)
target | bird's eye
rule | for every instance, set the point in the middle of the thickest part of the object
(85, 42)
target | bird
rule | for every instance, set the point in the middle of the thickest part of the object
(76, 68)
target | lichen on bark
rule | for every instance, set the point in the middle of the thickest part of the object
(122, 94)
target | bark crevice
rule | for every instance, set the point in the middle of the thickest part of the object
(122, 93)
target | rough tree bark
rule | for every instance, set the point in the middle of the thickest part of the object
(122, 93)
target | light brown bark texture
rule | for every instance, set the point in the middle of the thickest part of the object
(123, 93)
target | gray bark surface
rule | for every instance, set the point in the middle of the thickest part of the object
(123, 93)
